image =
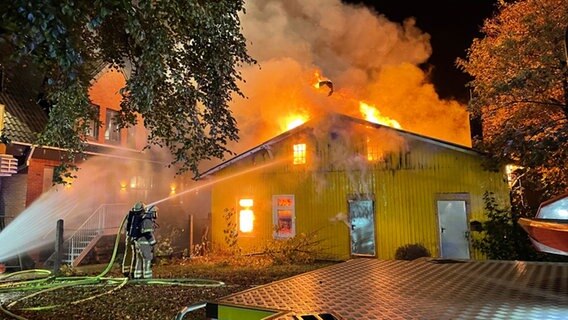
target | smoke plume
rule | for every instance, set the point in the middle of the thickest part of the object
(368, 58)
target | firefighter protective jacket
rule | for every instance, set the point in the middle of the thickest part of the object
(147, 232)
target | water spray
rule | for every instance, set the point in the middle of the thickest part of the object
(45, 281)
(206, 184)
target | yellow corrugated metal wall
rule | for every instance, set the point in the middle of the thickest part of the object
(405, 188)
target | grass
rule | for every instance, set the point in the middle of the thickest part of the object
(140, 301)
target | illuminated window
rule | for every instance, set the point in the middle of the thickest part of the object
(112, 131)
(131, 136)
(300, 153)
(284, 215)
(246, 219)
(373, 151)
(141, 183)
(93, 129)
(246, 215)
(245, 202)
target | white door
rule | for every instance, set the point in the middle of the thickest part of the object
(454, 232)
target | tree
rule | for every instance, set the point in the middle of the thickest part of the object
(520, 90)
(184, 56)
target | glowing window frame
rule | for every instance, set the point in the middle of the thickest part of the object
(299, 153)
(276, 208)
(374, 152)
(245, 210)
(112, 130)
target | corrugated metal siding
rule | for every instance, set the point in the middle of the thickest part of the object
(405, 188)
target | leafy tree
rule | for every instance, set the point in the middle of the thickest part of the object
(183, 56)
(520, 90)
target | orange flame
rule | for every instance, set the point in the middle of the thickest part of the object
(318, 79)
(322, 81)
(372, 114)
(295, 120)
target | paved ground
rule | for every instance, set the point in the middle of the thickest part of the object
(426, 289)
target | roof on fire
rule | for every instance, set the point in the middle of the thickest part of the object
(310, 124)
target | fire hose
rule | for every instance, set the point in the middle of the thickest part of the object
(48, 282)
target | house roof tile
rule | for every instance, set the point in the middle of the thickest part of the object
(23, 118)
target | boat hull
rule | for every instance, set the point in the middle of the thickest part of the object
(547, 235)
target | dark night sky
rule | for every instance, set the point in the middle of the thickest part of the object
(452, 25)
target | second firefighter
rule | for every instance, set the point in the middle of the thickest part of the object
(144, 244)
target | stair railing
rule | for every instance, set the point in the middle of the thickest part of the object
(105, 217)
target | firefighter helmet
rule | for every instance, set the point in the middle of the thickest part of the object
(153, 212)
(138, 206)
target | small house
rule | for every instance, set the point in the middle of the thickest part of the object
(362, 188)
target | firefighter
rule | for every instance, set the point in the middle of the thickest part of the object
(144, 244)
(133, 223)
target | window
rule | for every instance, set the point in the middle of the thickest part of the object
(374, 153)
(283, 207)
(141, 183)
(112, 131)
(131, 136)
(300, 153)
(246, 216)
(93, 129)
(48, 178)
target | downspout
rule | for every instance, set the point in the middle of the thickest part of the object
(31, 149)
(29, 157)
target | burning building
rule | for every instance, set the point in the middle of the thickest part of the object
(366, 189)
(406, 174)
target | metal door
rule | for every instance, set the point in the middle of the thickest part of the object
(454, 232)
(362, 222)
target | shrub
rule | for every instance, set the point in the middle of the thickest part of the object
(411, 252)
(231, 232)
(502, 238)
(166, 241)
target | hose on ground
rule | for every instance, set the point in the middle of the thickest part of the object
(47, 282)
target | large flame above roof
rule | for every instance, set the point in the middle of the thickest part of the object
(372, 114)
(367, 111)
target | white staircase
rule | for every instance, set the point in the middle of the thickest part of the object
(105, 220)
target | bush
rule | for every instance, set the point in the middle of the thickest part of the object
(166, 241)
(231, 232)
(411, 252)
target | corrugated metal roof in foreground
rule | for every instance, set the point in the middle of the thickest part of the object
(380, 289)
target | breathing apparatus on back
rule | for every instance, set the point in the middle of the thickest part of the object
(152, 213)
